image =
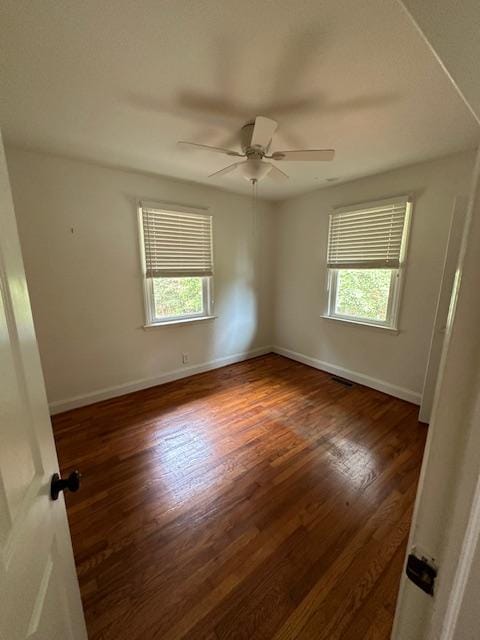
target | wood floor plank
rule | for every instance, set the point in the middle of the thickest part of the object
(260, 501)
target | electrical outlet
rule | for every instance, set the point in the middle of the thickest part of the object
(185, 358)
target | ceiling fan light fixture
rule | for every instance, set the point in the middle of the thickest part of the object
(254, 169)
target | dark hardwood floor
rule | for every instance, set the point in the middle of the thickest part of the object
(261, 501)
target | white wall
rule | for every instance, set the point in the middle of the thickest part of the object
(87, 295)
(86, 287)
(394, 363)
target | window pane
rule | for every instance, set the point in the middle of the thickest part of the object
(363, 293)
(177, 296)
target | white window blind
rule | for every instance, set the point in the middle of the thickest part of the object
(177, 244)
(368, 236)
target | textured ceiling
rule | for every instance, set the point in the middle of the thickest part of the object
(119, 82)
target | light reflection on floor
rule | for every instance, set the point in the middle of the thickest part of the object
(184, 443)
(354, 461)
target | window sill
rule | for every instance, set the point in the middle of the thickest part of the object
(169, 323)
(358, 323)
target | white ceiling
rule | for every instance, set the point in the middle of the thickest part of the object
(120, 81)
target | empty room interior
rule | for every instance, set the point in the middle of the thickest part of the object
(240, 227)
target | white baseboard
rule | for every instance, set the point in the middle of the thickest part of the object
(58, 406)
(354, 376)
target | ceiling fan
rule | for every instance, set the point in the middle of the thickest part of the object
(256, 139)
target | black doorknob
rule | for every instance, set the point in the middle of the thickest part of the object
(72, 483)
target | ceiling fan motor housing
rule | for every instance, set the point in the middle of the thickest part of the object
(246, 140)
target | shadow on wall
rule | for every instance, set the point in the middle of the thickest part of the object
(237, 291)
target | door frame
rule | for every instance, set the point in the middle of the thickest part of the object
(455, 236)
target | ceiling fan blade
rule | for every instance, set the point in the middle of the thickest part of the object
(305, 155)
(226, 170)
(263, 131)
(277, 174)
(206, 147)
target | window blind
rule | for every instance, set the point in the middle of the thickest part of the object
(177, 244)
(368, 236)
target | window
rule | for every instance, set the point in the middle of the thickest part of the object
(366, 253)
(178, 265)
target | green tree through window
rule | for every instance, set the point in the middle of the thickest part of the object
(363, 293)
(177, 296)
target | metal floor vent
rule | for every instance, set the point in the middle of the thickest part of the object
(344, 381)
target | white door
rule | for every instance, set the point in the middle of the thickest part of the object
(39, 595)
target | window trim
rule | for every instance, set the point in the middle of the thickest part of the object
(172, 323)
(148, 301)
(396, 283)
